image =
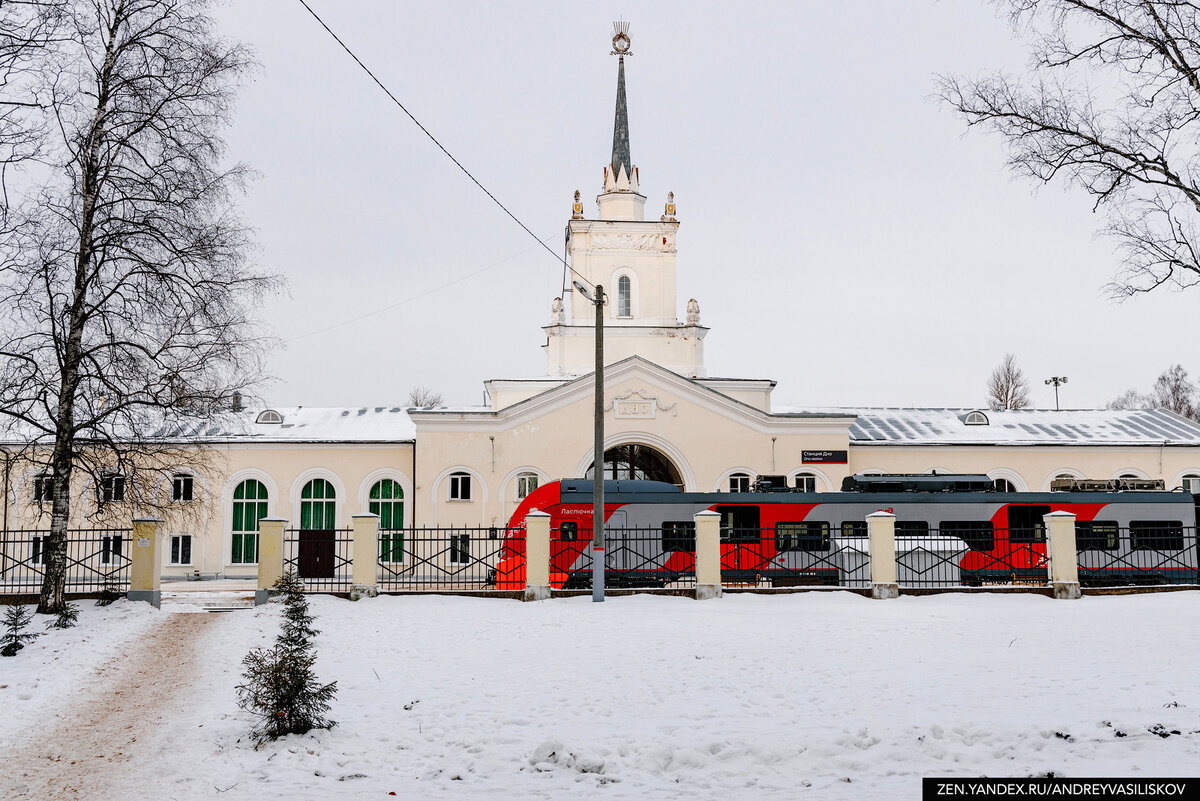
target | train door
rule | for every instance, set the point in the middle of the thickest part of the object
(617, 542)
(741, 542)
(1026, 541)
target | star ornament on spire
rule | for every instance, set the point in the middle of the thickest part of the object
(620, 39)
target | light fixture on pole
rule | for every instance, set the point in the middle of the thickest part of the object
(1057, 381)
(598, 450)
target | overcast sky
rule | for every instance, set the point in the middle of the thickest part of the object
(842, 234)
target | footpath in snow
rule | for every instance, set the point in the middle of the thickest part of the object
(814, 695)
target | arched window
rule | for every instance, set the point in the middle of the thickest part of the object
(460, 486)
(976, 418)
(249, 506)
(637, 462)
(526, 483)
(624, 297)
(318, 505)
(1191, 483)
(269, 416)
(806, 482)
(739, 482)
(1004, 485)
(387, 501)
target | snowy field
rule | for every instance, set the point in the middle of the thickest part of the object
(814, 695)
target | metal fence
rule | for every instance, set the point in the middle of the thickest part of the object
(971, 555)
(634, 558)
(451, 559)
(322, 558)
(794, 555)
(97, 559)
(1146, 554)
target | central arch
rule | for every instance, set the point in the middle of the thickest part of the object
(636, 461)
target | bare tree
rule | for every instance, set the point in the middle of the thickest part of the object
(1130, 399)
(1008, 388)
(127, 298)
(424, 398)
(1172, 390)
(1111, 104)
(1175, 392)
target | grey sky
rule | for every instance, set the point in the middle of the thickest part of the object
(840, 232)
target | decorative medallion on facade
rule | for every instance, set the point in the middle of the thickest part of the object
(637, 405)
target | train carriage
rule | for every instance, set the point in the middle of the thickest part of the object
(949, 530)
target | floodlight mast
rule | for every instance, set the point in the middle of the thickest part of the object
(1057, 381)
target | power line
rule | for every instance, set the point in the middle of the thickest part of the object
(426, 293)
(433, 139)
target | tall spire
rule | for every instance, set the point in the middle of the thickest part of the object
(620, 151)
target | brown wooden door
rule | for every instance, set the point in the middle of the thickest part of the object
(316, 553)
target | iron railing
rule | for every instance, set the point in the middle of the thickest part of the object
(97, 559)
(322, 558)
(793, 555)
(452, 559)
(970, 556)
(1145, 554)
(634, 558)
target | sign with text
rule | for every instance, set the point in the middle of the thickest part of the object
(823, 457)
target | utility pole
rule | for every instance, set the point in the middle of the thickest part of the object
(597, 447)
(1056, 381)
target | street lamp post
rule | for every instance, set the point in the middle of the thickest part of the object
(598, 448)
(1057, 381)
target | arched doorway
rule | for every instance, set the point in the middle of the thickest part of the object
(635, 461)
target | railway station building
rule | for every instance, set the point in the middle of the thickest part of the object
(666, 418)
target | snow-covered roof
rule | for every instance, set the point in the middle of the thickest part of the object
(932, 426)
(302, 424)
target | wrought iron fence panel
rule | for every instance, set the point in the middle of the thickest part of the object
(456, 558)
(322, 558)
(1146, 556)
(791, 556)
(97, 559)
(943, 559)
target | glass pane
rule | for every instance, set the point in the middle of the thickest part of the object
(235, 555)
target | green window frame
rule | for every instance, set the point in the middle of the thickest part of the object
(387, 501)
(249, 507)
(318, 506)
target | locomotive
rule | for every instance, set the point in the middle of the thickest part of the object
(950, 529)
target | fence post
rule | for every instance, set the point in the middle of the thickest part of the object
(881, 530)
(537, 557)
(1062, 561)
(270, 555)
(708, 555)
(145, 573)
(365, 557)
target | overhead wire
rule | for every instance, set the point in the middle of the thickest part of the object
(434, 139)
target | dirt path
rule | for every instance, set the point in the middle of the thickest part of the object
(71, 754)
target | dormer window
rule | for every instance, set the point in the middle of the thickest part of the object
(975, 419)
(269, 416)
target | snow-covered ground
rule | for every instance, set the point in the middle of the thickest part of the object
(814, 695)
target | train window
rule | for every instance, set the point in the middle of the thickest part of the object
(979, 535)
(678, 535)
(1096, 535)
(568, 531)
(912, 528)
(854, 528)
(1156, 535)
(739, 523)
(1025, 523)
(812, 535)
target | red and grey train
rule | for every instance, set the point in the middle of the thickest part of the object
(782, 537)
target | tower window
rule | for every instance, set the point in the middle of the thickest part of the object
(624, 297)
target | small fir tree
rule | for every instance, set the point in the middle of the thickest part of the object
(15, 638)
(281, 687)
(66, 617)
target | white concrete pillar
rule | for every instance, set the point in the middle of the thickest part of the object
(537, 556)
(708, 555)
(881, 532)
(145, 572)
(1062, 560)
(364, 555)
(270, 555)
